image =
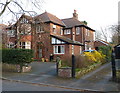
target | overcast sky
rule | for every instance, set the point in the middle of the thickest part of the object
(98, 13)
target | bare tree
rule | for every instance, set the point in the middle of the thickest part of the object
(102, 34)
(17, 7)
(115, 29)
(98, 35)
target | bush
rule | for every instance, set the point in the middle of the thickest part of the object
(88, 58)
(106, 50)
(17, 56)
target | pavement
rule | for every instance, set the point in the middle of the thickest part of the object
(44, 73)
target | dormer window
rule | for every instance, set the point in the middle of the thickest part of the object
(77, 30)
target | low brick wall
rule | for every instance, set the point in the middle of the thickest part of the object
(15, 68)
(64, 72)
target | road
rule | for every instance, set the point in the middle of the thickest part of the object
(18, 86)
(97, 80)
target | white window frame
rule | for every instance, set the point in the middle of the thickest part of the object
(61, 31)
(55, 49)
(77, 30)
(67, 31)
(39, 29)
(24, 20)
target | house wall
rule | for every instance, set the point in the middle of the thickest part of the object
(88, 38)
(67, 53)
(79, 36)
(57, 29)
(68, 35)
(98, 43)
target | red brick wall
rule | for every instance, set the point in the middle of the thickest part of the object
(57, 29)
(98, 43)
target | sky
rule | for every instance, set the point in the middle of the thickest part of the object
(97, 13)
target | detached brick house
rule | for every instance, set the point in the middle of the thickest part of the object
(50, 36)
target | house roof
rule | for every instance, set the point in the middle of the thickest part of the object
(47, 17)
(67, 40)
(103, 42)
(117, 46)
(29, 18)
(25, 38)
(73, 22)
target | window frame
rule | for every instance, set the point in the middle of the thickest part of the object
(62, 49)
(78, 30)
(67, 31)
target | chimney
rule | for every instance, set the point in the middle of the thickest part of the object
(75, 15)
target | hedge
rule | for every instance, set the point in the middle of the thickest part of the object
(17, 56)
(106, 50)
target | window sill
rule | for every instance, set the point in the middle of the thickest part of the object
(59, 53)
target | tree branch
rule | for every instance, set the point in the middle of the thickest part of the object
(5, 6)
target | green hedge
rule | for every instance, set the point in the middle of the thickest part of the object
(17, 56)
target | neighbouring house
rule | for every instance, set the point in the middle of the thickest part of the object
(50, 36)
(11, 36)
(98, 43)
(23, 29)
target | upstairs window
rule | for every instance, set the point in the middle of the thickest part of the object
(39, 29)
(77, 30)
(67, 31)
(87, 32)
(54, 28)
(61, 31)
(11, 33)
(24, 20)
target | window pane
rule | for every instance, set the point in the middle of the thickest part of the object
(62, 49)
(55, 49)
(53, 40)
(59, 49)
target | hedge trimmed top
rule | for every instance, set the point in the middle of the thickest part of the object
(17, 56)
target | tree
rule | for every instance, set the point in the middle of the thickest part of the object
(18, 7)
(102, 34)
(115, 29)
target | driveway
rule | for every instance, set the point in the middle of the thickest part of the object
(45, 73)
(40, 70)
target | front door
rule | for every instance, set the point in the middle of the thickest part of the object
(40, 54)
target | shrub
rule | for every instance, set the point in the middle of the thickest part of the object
(89, 58)
(106, 50)
(66, 62)
(95, 57)
(17, 56)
